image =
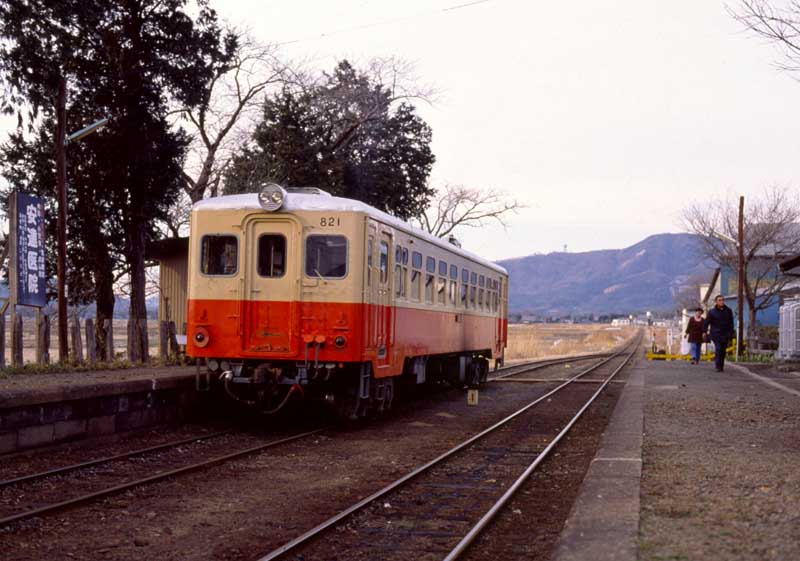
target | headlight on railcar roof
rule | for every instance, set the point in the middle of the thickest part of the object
(271, 197)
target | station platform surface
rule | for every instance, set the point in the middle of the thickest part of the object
(694, 464)
(18, 390)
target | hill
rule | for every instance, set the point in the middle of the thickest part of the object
(644, 276)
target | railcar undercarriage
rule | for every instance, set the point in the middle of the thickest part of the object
(351, 389)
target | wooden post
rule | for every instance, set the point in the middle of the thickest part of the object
(108, 325)
(46, 339)
(133, 351)
(173, 340)
(12, 275)
(77, 345)
(16, 341)
(40, 337)
(61, 230)
(145, 341)
(91, 347)
(742, 279)
(162, 342)
(3, 339)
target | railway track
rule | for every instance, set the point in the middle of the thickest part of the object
(437, 510)
(526, 367)
(91, 483)
(41, 493)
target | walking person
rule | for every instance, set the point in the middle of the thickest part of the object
(694, 334)
(719, 326)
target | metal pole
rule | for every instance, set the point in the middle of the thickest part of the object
(742, 280)
(61, 188)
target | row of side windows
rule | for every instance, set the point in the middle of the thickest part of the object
(439, 285)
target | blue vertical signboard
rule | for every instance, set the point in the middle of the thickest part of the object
(30, 278)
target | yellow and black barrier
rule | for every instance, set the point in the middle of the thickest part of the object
(708, 357)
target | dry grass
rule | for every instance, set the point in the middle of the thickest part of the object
(548, 340)
(120, 338)
(524, 341)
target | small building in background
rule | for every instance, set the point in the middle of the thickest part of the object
(172, 256)
(789, 318)
(724, 281)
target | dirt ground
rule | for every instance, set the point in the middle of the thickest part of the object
(720, 479)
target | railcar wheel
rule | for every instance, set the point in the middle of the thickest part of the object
(483, 366)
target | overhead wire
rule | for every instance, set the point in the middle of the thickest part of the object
(327, 34)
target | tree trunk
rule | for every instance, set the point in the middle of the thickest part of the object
(104, 294)
(751, 329)
(138, 309)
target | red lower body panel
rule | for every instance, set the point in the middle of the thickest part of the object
(385, 335)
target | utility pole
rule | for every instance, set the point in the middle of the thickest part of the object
(742, 280)
(61, 189)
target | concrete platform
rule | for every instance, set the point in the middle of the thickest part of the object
(604, 521)
(41, 409)
(719, 478)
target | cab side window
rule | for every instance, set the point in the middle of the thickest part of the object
(326, 256)
(219, 255)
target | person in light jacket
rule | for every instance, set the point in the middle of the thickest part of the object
(694, 334)
(719, 326)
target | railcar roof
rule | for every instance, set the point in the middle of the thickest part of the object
(308, 202)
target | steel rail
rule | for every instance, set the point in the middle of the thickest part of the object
(539, 364)
(121, 456)
(151, 479)
(290, 545)
(475, 531)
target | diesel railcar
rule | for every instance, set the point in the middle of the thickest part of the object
(294, 291)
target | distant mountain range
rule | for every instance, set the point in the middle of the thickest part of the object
(645, 276)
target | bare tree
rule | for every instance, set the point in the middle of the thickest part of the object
(771, 232)
(457, 206)
(687, 297)
(177, 223)
(778, 25)
(232, 98)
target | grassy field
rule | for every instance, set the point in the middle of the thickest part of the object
(547, 340)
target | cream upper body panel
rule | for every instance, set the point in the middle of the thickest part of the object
(238, 235)
(219, 224)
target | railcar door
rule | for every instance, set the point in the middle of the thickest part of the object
(379, 293)
(270, 303)
(500, 294)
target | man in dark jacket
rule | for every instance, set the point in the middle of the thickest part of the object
(719, 326)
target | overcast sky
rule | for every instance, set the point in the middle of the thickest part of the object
(604, 118)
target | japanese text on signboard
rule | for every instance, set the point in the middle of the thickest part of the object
(31, 289)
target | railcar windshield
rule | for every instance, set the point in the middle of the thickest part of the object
(219, 255)
(326, 256)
